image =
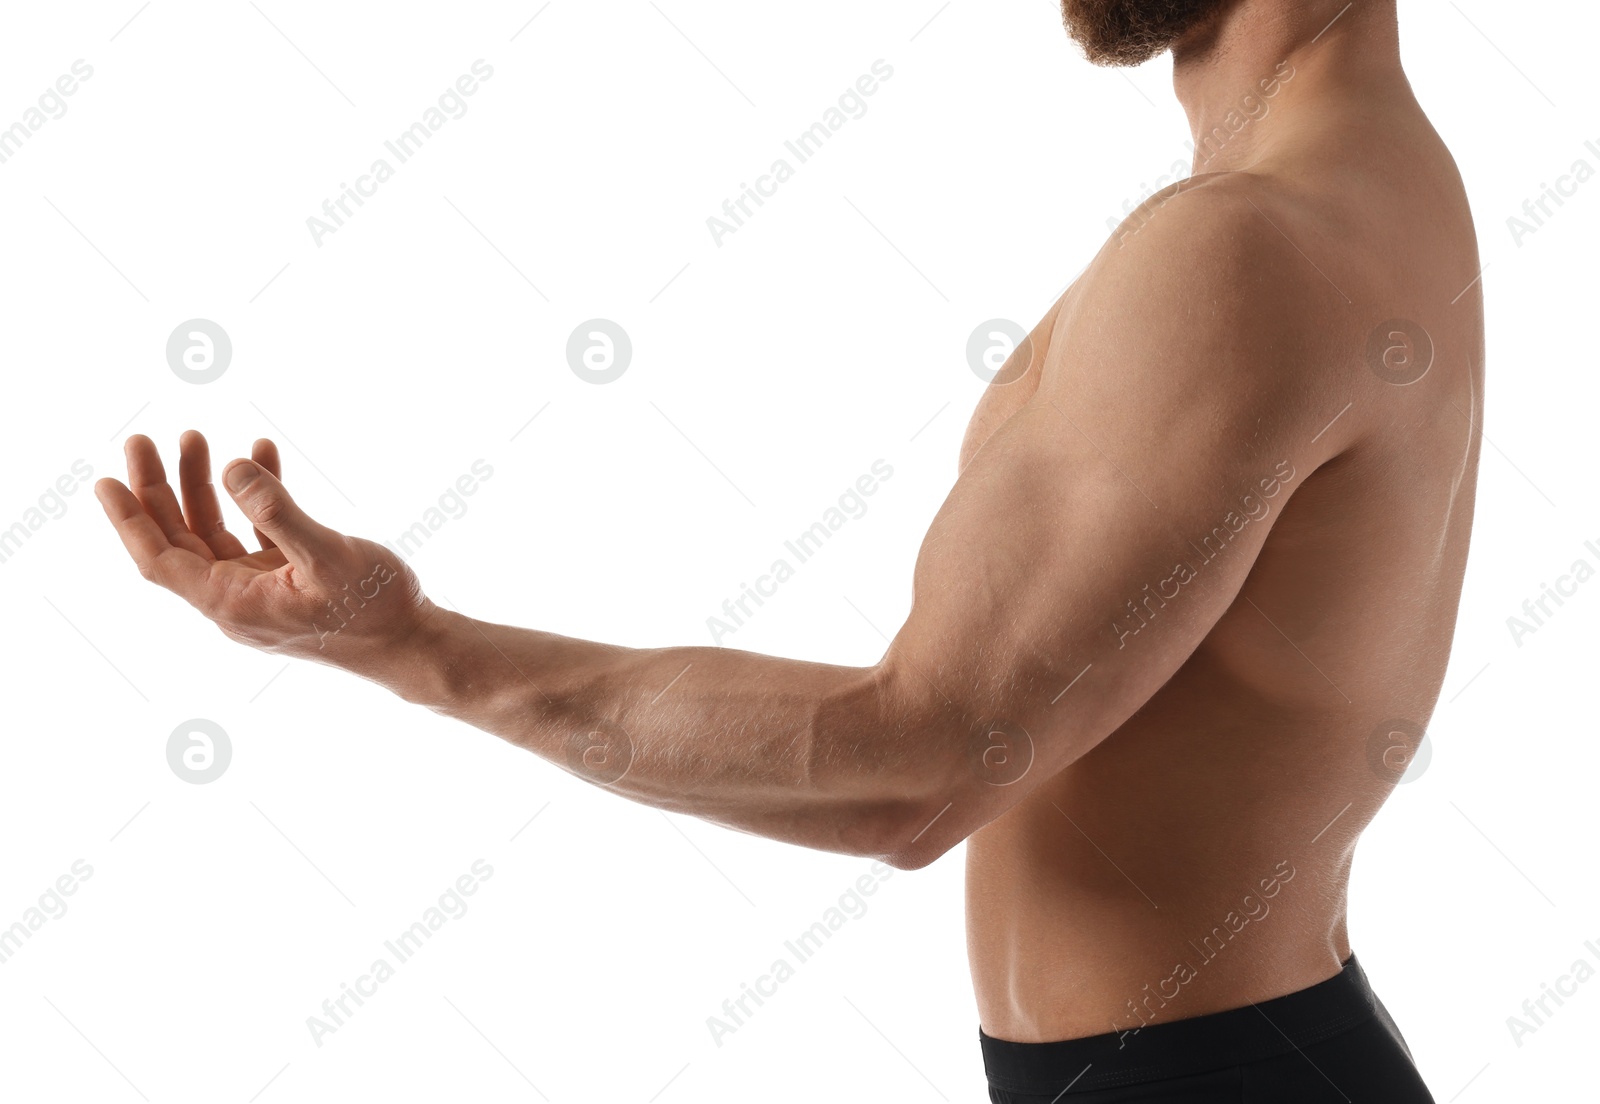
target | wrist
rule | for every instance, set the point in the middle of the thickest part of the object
(463, 668)
(418, 666)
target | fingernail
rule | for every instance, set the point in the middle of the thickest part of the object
(240, 476)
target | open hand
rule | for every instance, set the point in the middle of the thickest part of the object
(310, 592)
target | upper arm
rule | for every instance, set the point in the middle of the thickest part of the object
(1100, 532)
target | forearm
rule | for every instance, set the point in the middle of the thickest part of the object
(796, 751)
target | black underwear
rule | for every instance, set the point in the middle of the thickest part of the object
(1333, 1042)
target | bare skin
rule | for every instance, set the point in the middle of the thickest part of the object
(1260, 750)
(1199, 552)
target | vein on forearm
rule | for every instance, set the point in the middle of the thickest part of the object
(807, 752)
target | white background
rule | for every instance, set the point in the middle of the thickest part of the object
(768, 374)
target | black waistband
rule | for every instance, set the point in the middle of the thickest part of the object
(1178, 1048)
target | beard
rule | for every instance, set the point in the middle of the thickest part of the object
(1131, 32)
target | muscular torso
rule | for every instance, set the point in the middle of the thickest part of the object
(1215, 829)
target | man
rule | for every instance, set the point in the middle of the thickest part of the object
(1175, 632)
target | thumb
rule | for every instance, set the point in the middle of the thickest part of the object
(277, 516)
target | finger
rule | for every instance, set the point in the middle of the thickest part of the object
(185, 573)
(307, 544)
(148, 479)
(265, 453)
(200, 505)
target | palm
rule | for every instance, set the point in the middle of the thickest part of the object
(253, 569)
(292, 598)
(268, 559)
(197, 526)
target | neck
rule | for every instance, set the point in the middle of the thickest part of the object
(1248, 79)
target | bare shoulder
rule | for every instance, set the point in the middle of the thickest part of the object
(1228, 238)
(1203, 296)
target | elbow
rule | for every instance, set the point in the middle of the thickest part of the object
(920, 801)
(903, 832)
(917, 834)
(912, 858)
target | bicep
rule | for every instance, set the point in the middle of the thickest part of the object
(1099, 534)
(1058, 563)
